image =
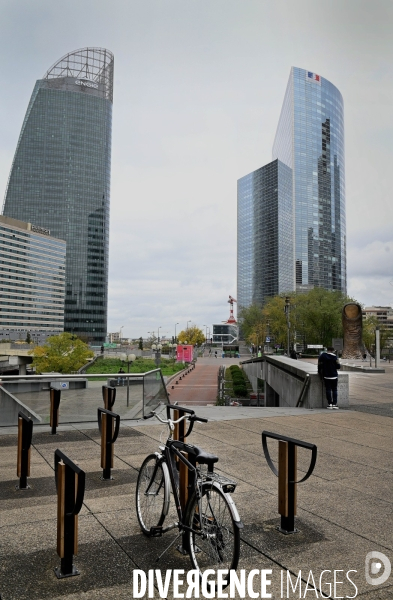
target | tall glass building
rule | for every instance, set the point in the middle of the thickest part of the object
(60, 177)
(265, 252)
(310, 141)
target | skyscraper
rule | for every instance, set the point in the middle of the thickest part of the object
(60, 177)
(310, 140)
(291, 212)
(265, 261)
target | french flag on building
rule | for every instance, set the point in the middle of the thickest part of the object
(313, 77)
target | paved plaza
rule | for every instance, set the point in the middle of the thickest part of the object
(344, 509)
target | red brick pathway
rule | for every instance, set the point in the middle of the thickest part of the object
(197, 388)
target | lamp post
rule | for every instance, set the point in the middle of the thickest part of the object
(120, 334)
(287, 310)
(175, 340)
(158, 335)
(188, 323)
(128, 358)
(157, 351)
(205, 326)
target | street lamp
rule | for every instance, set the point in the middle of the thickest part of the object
(175, 332)
(128, 358)
(120, 333)
(205, 326)
(158, 335)
(157, 350)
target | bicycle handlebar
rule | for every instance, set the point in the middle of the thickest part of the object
(190, 415)
(193, 416)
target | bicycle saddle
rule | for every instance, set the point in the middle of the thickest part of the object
(204, 458)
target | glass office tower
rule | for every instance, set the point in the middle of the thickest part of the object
(265, 251)
(310, 141)
(60, 177)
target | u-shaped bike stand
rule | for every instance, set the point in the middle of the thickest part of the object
(286, 473)
(70, 484)
(25, 433)
(108, 424)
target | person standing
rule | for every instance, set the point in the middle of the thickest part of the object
(328, 364)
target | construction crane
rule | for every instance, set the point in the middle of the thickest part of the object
(231, 317)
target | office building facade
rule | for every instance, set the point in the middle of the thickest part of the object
(265, 251)
(291, 213)
(310, 141)
(32, 281)
(60, 178)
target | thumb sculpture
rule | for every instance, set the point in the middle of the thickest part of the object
(352, 321)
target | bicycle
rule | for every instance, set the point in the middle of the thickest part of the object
(209, 522)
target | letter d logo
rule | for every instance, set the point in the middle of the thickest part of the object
(373, 566)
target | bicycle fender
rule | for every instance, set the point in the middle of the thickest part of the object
(167, 482)
(167, 487)
(232, 506)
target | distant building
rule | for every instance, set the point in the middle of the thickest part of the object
(60, 177)
(225, 334)
(291, 212)
(384, 314)
(310, 140)
(32, 281)
(265, 251)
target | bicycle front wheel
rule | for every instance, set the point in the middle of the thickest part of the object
(215, 537)
(152, 494)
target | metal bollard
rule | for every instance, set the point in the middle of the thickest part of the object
(109, 432)
(109, 396)
(55, 396)
(70, 484)
(286, 473)
(25, 433)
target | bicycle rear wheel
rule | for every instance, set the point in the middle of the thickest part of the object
(215, 537)
(152, 494)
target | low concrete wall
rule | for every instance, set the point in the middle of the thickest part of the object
(11, 406)
(284, 378)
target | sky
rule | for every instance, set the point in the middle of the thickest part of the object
(198, 89)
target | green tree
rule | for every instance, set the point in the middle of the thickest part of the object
(251, 321)
(276, 321)
(193, 335)
(28, 338)
(369, 326)
(315, 318)
(62, 353)
(140, 345)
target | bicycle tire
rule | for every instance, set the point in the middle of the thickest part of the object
(152, 507)
(217, 546)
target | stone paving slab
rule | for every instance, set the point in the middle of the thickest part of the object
(344, 509)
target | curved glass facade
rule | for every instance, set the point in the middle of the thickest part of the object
(310, 140)
(60, 178)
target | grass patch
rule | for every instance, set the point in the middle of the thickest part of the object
(140, 365)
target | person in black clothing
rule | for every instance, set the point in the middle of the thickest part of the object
(327, 368)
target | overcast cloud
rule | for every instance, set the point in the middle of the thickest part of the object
(199, 86)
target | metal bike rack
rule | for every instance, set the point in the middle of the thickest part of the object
(286, 473)
(185, 476)
(25, 433)
(70, 484)
(55, 395)
(109, 396)
(108, 424)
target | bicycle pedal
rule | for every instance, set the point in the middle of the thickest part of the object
(156, 531)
